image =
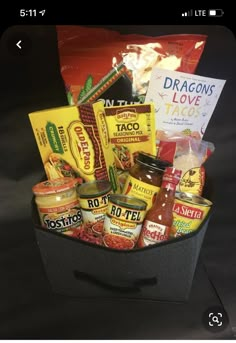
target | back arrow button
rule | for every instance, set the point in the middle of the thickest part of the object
(18, 44)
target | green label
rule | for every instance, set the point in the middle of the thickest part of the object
(112, 179)
(87, 87)
(53, 138)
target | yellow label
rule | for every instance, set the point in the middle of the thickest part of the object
(73, 141)
(123, 222)
(81, 147)
(94, 203)
(131, 129)
(61, 218)
(140, 190)
(94, 209)
(103, 130)
(192, 181)
(125, 214)
(126, 116)
(188, 216)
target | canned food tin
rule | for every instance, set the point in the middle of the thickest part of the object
(58, 205)
(94, 197)
(123, 221)
(189, 211)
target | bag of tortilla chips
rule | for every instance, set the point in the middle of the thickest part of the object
(101, 64)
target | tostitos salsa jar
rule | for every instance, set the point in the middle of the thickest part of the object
(58, 205)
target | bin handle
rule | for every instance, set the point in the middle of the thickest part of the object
(128, 287)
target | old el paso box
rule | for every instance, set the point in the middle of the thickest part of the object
(73, 141)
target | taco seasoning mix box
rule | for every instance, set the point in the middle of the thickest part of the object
(74, 141)
(131, 129)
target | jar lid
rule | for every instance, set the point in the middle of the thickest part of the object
(193, 199)
(93, 189)
(54, 186)
(128, 201)
(152, 161)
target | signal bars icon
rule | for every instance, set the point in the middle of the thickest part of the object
(187, 14)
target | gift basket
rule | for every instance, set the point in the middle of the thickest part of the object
(120, 211)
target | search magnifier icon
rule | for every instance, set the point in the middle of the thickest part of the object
(215, 319)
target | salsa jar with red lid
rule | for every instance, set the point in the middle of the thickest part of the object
(145, 177)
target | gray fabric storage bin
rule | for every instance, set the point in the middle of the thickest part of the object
(162, 272)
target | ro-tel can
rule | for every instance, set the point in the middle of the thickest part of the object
(189, 211)
(58, 205)
(123, 221)
(94, 196)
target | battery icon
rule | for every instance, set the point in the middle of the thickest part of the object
(215, 13)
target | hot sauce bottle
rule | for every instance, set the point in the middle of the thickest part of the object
(159, 218)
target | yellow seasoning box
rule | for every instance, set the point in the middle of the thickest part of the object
(131, 129)
(73, 141)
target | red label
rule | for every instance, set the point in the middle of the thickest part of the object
(188, 211)
(153, 233)
(168, 185)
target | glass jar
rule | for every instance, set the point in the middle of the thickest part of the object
(145, 178)
(58, 205)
